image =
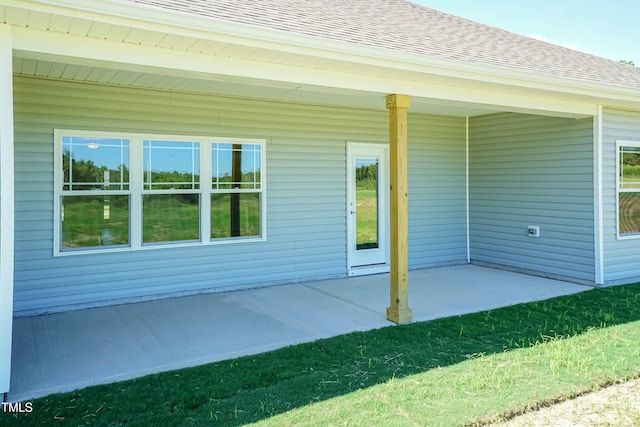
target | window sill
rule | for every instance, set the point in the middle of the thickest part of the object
(119, 249)
(630, 236)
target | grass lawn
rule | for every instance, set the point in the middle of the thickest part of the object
(457, 371)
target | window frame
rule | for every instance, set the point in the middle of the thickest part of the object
(137, 190)
(619, 190)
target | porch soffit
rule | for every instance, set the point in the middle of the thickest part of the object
(57, 46)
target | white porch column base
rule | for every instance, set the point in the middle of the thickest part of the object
(6, 205)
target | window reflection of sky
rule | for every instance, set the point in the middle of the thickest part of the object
(172, 156)
(107, 152)
(161, 156)
(222, 159)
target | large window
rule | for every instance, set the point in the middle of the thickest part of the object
(131, 191)
(628, 188)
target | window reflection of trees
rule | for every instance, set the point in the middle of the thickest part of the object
(86, 175)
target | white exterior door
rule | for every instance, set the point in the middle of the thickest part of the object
(367, 208)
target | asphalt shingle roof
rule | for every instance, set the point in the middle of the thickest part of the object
(404, 26)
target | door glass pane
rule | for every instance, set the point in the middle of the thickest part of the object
(366, 203)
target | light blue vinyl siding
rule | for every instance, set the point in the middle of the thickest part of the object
(306, 192)
(437, 191)
(532, 170)
(621, 256)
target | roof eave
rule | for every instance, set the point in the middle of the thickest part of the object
(208, 28)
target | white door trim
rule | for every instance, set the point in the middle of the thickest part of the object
(373, 260)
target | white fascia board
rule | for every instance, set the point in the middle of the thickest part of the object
(97, 52)
(6, 206)
(190, 25)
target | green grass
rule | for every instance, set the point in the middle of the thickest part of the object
(463, 370)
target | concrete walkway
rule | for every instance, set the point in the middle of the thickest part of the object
(64, 351)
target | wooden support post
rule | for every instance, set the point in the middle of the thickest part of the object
(399, 311)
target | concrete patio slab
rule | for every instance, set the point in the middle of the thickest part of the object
(64, 351)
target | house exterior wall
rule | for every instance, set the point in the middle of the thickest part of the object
(532, 170)
(437, 191)
(621, 255)
(306, 193)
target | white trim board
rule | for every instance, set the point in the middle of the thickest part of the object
(598, 220)
(7, 208)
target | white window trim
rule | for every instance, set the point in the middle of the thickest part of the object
(622, 143)
(136, 190)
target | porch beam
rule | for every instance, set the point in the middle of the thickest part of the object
(6, 205)
(398, 310)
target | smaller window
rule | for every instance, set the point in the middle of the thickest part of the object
(236, 190)
(629, 188)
